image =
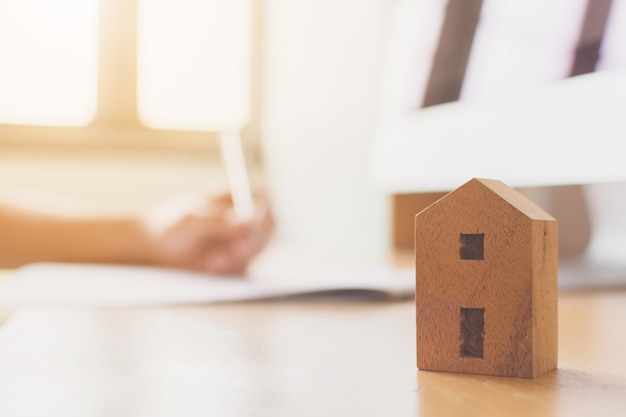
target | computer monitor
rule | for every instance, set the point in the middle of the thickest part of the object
(569, 133)
(551, 130)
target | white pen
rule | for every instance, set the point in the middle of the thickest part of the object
(237, 175)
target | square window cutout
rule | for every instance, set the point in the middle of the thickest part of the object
(472, 246)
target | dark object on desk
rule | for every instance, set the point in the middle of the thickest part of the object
(486, 283)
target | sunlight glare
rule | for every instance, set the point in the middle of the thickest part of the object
(48, 61)
(194, 63)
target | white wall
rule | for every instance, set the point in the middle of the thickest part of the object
(323, 65)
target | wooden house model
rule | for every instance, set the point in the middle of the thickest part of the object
(486, 262)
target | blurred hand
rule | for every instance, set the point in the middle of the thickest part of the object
(202, 234)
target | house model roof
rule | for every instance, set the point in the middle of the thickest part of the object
(515, 198)
(508, 194)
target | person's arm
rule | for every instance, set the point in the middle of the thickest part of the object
(28, 235)
(195, 234)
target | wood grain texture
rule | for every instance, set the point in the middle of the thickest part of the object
(515, 282)
(291, 359)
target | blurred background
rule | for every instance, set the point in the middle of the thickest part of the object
(118, 102)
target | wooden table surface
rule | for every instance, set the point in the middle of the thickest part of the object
(288, 359)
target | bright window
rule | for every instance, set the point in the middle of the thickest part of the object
(522, 45)
(194, 63)
(124, 71)
(613, 54)
(49, 56)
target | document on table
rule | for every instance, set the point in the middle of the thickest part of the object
(57, 284)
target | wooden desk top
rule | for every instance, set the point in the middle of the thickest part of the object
(310, 359)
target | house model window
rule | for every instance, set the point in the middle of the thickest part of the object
(472, 332)
(472, 246)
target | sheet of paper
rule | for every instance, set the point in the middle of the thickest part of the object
(50, 284)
